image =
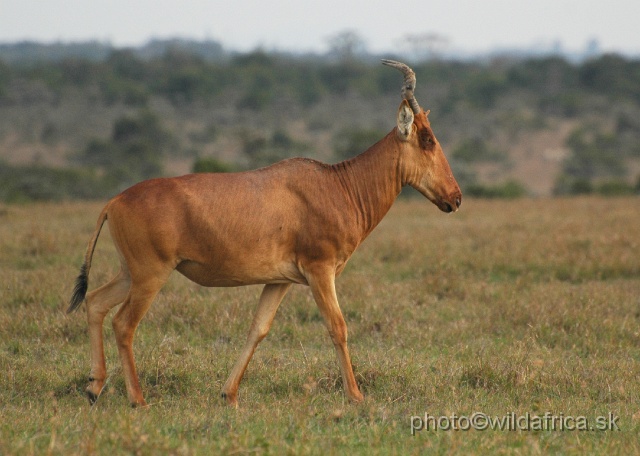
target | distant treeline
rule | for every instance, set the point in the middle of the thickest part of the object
(182, 73)
(475, 98)
(28, 52)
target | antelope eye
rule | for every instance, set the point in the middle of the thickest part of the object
(426, 139)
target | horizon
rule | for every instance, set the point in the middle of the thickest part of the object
(464, 26)
(145, 50)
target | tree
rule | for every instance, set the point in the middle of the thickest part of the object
(426, 45)
(594, 155)
(351, 142)
(346, 45)
(134, 152)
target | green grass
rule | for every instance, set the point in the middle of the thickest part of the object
(523, 306)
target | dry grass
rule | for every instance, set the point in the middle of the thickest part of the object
(520, 306)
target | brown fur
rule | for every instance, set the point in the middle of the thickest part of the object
(297, 221)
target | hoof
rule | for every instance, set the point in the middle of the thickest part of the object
(93, 397)
(94, 390)
(139, 404)
(357, 398)
(231, 399)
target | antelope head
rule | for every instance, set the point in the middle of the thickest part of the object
(423, 164)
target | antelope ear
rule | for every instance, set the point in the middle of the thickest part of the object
(405, 121)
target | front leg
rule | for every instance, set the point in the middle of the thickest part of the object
(322, 283)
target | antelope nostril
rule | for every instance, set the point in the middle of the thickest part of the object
(458, 201)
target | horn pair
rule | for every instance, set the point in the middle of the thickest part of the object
(409, 83)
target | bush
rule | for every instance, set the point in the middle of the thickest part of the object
(483, 88)
(39, 183)
(594, 154)
(133, 153)
(615, 188)
(131, 93)
(264, 150)
(351, 142)
(581, 187)
(569, 185)
(211, 165)
(510, 189)
(476, 150)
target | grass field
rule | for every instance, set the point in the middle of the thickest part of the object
(524, 307)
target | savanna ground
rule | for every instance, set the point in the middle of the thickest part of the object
(525, 306)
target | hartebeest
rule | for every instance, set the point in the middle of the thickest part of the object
(297, 221)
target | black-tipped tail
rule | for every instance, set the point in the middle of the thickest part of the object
(80, 290)
(82, 282)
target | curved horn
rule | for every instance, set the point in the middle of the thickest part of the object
(409, 83)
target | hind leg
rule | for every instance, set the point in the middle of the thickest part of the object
(125, 323)
(99, 303)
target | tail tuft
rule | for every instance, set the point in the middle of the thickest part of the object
(80, 289)
(82, 282)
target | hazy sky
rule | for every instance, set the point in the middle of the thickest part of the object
(469, 25)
